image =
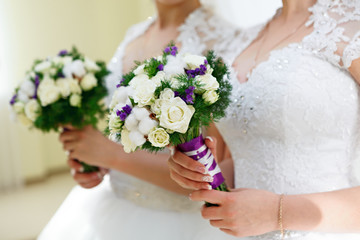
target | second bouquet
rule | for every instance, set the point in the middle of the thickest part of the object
(168, 100)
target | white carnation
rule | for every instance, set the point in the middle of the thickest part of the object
(210, 96)
(128, 145)
(27, 87)
(159, 137)
(174, 66)
(18, 107)
(140, 113)
(146, 125)
(139, 70)
(137, 138)
(43, 67)
(131, 122)
(91, 66)
(144, 93)
(32, 109)
(193, 61)
(75, 100)
(88, 82)
(176, 115)
(48, 92)
(207, 82)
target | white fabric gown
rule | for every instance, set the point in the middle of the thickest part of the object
(297, 118)
(124, 207)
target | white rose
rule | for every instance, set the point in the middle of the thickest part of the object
(23, 97)
(18, 107)
(160, 76)
(121, 95)
(114, 123)
(43, 67)
(91, 66)
(32, 109)
(144, 93)
(167, 94)
(139, 70)
(24, 120)
(210, 96)
(138, 80)
(176, 115)
(62, 60)
(27, 87)
(64, 86)
(74, 86)
(146, 125)
(75, 100)
(208, 82)
(174, 66)
(193, 61)
(131, 122)
(159, 137)
(128, 145)
(140, 113)
(48, 92)
(88, 82)
(137, 138)
(156, 106)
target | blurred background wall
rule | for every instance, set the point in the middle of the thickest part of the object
(31, 29)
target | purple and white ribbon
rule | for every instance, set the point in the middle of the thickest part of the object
(197, 150)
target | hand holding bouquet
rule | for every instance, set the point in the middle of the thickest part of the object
(63, 90)
(167, 100)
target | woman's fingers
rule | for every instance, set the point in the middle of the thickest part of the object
(216, 197)
(74, 164)
(186, 173)
(188, 184)
(188, 163)
(85, 178)
(68, 136)
(91, 184)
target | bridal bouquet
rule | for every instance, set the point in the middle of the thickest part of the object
(61, 90)
(167, 100)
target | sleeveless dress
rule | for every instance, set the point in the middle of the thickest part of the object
(125, 207)
(297, 118)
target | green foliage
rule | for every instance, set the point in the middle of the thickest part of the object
(151, 68)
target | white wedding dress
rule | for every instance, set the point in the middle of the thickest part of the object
(124, 207)
(297, 118)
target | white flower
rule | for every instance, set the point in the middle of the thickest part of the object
(121, 95)
(32, 109)
(138, 80)
(193, 61)
(174, 66)
(48, 92)
(167, 94)
(76, 68)
(62, 60)
(114, 123)
(159, 137)
(23, 97)
(27, 87)
(128, 145)
(146, 125)
(144, 93)
(140, 113)
(176, 115)
(75, 100)
(137, 138)
(91, 66)
(43, 67)
(208, 82)
(18, 107)
(175, 83)
(210, 96)
(88, 82)
(156, 106)
(139, 70)
(160, 76)
(24, 120)
(74, 86)
(131, 122)
(64, 86)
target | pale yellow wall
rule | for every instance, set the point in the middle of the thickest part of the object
(38, 28)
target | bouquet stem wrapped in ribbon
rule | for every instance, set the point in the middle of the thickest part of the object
(167, 100)
(63, 90)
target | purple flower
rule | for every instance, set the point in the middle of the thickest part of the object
(167, 50)
(176, 93)
(60, 75)
(160, 67)
(174, 48)
(127, 109)
(13, 99)
(121, 83)
(37, 83)
(63, 53)
(118, 112)
(173, 52)
(189, 99)
(123, 116)
(206, 62)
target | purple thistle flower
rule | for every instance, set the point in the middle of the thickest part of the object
(160, 67)
(123, 116)
(167, 50)
(63, 52)
(127, 109)
(13, 99)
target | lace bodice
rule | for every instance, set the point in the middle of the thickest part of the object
(297, 118)
(201, 31)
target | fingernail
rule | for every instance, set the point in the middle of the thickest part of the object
(172, 151)
(208, 179)
(67, 153)
(81, 169)
(190, 196)
(201, 170)
(72, 171)
(209, 187)
(100, 175)
(210, 138)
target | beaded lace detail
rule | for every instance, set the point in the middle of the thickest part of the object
(293, 127)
